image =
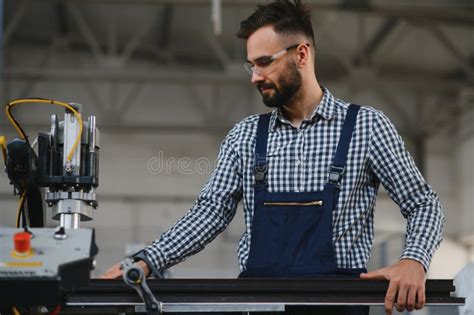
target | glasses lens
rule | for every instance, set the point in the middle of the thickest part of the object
(248, 67)
(264, 62)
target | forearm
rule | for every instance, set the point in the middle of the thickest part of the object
(424, 230)
(419, 204)
(188, 236)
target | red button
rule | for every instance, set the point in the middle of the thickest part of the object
(22, 242)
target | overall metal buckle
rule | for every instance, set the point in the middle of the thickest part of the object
(335, 175)
(260, 172)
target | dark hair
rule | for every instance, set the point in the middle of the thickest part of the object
(286, 17)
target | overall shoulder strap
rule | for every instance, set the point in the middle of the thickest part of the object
(337, 168)
(260, 165)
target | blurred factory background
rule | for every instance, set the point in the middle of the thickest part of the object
(166, 82)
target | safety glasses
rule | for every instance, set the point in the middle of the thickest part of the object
(260, 65)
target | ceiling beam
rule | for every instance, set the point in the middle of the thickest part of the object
(62, 21)
(448, 9)
(463, 61)
(86, 31)
(14, 22)
(376, 41)
(175, 129)
(165, 27)
(399, 75)
(136, 38)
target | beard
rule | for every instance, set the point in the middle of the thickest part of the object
(288, 84)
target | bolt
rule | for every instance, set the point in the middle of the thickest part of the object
(133, 274)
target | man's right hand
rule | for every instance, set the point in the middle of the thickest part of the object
(115, 271)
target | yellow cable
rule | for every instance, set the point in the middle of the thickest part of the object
(4, 148)
(15, 311)
(33, 100)
(22, 201)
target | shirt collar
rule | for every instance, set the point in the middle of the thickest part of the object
(325, 110)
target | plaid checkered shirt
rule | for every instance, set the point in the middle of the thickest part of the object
(298, 161)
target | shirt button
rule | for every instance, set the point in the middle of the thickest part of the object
(298, 162)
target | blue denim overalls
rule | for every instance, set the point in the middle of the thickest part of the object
(292, 231)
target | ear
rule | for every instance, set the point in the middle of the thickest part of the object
(304, 53)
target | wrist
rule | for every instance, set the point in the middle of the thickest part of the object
(144, 266)
(414, 262)
(148, 268)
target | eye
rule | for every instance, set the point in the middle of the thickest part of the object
(264, 62)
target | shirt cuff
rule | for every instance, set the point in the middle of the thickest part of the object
(142, 255)
(418, 254)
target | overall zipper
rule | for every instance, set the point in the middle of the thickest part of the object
(304, 204)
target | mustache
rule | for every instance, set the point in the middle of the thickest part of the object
(262, 86)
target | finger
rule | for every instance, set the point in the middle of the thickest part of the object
(411, 298)
(402, 297)
(379, 274)
(112, 273)
(421, 298)
(109, 275)
(390, 296)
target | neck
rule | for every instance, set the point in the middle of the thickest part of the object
(304, 102)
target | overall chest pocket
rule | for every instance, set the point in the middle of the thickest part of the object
(295, 230)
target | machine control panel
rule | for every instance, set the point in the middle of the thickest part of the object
(41, 251)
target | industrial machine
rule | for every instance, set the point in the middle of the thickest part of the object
(66, 164)
(40, 266)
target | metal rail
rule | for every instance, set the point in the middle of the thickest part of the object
(246, 295)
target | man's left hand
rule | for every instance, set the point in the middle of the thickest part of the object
(407, 285)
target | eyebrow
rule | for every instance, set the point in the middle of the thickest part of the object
(257, 59)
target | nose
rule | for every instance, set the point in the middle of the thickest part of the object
(256, 77)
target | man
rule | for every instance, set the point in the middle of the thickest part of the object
(308, 174)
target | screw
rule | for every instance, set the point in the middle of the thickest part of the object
(133, 274)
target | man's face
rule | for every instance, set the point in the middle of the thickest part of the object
(280, 93)
(279, 81)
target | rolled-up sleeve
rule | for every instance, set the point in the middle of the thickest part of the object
(211, 214)
(418, 202)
